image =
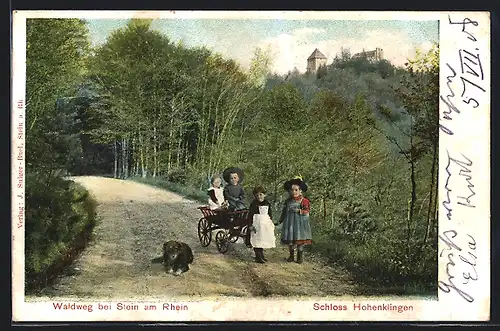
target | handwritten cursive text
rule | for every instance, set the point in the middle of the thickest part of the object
(468, 262)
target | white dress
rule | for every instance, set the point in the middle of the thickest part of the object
(264, 235)
(219, 194)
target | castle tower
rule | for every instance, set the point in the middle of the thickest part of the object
(315, 60)
(379, 54)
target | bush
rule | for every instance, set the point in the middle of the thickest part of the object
(59, 213)
(380, 259)
(355, 222)
(177, 175)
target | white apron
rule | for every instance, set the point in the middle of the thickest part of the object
(264, 235)
(219, 194)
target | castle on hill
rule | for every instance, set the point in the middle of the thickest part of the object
(315, 60)
(318, 59)
(375, 55)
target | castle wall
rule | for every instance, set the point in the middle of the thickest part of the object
(314, 64)
(375, 55)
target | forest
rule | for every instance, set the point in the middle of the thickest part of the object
(363, 134)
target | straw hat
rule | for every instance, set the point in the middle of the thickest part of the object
(297, 180)
(230, 171)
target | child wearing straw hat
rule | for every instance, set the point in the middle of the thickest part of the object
(233, 192)
(296, 230)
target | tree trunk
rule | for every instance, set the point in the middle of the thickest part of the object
(128, 159)
(242, 143)
(159, 148)
(412, 206)
(115, 153)
(199, 156)
(170, 138)
(155, 151)
(123, 152)
(179, 148)
(413, 199)
(431, 197)
(147, 163)
(141, 147)
(125, 158)
(186, 154)
(131, 153)
(324, 209)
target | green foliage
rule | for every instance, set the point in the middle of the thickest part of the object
(260, 67)
(58, 212)
(56, 57)
(321, 72)
(177, 175)
(355, 221)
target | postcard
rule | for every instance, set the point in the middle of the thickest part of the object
(206, 166)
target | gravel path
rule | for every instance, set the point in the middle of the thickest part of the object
(136, 219)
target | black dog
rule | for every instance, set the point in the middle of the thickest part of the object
(176, 257)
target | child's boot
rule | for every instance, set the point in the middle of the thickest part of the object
(299, 256)
(262, 255)
(258, 255)
(291, 258)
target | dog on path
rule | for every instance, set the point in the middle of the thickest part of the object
(176, 257)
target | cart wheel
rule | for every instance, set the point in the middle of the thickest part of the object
(204, 233)
(222, 242)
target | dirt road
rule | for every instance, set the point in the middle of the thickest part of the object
(136, 219)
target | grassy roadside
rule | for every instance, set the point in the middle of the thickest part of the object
(60, 218)
(373, 264)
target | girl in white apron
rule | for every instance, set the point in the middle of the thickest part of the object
(216, 194)
(262, 228)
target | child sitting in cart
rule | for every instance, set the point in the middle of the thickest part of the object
(216, 194)
(233, 192)
(262, 226)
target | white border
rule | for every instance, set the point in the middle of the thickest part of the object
(17, 145)
(471, 138)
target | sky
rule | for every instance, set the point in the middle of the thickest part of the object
(290, 42)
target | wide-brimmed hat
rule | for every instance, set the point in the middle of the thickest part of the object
(232, 170)
(297, 180)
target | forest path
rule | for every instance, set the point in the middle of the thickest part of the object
(136, 219)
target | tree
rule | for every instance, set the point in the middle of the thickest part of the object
(419, 95)
(130, 67)
(56, 54)
(322, 71)
(260, 66)
(347, 146)
(419, 136)
(57, 210)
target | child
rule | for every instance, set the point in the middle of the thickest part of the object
(216, 194)
(262, 226)
(233, 193)
(296, 229)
